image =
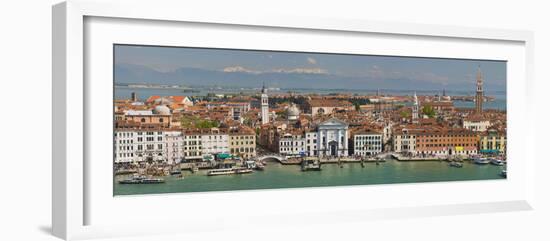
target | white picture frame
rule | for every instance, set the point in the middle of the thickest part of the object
(73, 192)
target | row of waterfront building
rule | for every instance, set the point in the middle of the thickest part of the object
(330, 138)
(177, 145)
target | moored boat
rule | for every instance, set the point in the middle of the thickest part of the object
(228, 171)
(481, 160)
(243, 170)
(175, 172)
(260, 166)
(496, 162)
(503, 173)
(311, 165)
(140, 179)
(455, 164)
(221, 171)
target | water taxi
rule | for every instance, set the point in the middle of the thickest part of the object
(140, 179)
(175, 172)
(260, 166)
(254, 165)
(455, 164)
(243, 170)
(481, 160)
(311, 165)
(497, 162)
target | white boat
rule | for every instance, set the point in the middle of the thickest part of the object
(503, 173)
(242, 170)
(228, 171)
(481, 160)
(222, 171)
(497, 162)
(455, 164)
(141, 179)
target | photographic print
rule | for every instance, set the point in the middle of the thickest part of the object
(190, 119)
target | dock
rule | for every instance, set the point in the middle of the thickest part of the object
(343, 160)
(424, 158)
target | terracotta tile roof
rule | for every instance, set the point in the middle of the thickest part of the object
(329, 103)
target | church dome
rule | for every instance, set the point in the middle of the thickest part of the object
(161, 110)
(293, 112)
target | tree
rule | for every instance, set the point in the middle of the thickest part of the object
(404, 114)
(357, 106)
(207, 124)
(193, 121)
(428, 110)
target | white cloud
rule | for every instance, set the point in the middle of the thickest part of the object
(311, 60)
(233, 69)
(302, 71)
(241, 69)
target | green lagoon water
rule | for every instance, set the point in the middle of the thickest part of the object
(289, 176)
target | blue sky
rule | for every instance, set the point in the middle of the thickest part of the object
(435, 73)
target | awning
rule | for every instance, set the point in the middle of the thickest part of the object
(224, 155)
(489, 151)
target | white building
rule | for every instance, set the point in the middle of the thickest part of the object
(175, 148)
(367, 143)
(151, 146)
(125, 141)
(332, 138)
(404, 141)
(476, 124)
(215, 142)
(292, 145)
(264, 106)
(311, 143)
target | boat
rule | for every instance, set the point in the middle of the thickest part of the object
(311, 165)
(260, 166)
(228, 171)
(221, 171)
(497, 162)
(175, 172)
(141, 179)
(243, 170)
(251, 164)
(455, 164)
(481, 160)
(503, 173)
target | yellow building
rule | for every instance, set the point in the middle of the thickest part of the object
(242, 142)
(493, 142)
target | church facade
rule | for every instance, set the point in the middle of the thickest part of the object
(330, 139)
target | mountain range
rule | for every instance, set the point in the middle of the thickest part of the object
(131, 73)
